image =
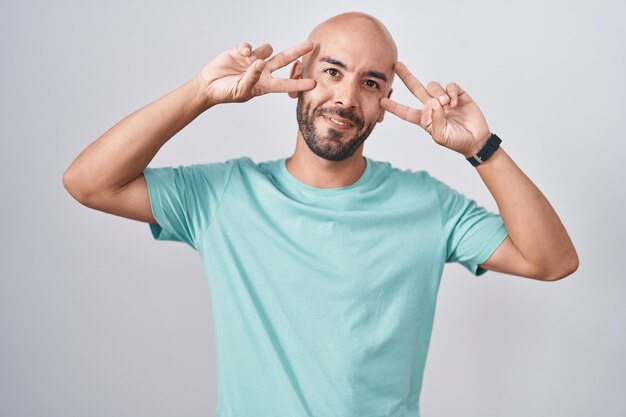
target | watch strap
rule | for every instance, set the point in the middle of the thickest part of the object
(493, 143)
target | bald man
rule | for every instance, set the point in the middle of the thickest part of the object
(324, 267)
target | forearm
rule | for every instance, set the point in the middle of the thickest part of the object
(122, 153)
(534, 227)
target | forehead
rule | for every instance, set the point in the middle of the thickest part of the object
(360, 47)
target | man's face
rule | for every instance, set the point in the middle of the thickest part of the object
(344, 132)
(353, 68)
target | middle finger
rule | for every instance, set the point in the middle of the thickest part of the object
(289, 55)
(411, 82)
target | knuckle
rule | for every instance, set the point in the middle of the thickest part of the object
(242, 48)
(282, 59)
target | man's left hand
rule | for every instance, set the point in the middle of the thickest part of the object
(450, 116)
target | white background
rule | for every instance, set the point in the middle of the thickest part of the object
(98, 319)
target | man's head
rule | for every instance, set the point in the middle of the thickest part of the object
(352, 64)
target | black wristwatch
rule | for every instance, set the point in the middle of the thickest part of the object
(493, 143)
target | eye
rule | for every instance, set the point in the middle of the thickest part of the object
(372, 84)
(333, 72)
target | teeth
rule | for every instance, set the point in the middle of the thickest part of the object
(338, 122)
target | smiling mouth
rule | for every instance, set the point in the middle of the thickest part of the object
(338, 122)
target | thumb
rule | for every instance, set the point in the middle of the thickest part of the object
(252, 75)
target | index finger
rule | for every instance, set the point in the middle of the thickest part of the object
(404, 112)
(411, 82)
(280, 85)
(288, 56)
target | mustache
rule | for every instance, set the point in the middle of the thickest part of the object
(341, 112)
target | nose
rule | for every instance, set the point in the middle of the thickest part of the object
(346, 94)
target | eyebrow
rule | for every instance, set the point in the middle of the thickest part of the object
(371, 73)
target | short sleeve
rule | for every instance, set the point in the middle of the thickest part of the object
(471, 232)
(184, 199)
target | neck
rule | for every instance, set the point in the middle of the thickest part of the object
(318, 172)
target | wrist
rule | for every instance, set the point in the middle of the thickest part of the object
(480, 144)
(204, 94)
(486, 151)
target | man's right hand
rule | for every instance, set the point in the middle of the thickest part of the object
(241, 73)
(108, 174)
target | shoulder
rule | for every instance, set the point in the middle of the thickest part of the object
(225, 167)
(405, 186)
(247, 164)
(399, 176)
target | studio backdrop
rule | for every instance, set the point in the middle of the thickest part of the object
(98, 319)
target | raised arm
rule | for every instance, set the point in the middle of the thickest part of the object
(538, 245)
(108, 174)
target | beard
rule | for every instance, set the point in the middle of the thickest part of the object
(329, 146)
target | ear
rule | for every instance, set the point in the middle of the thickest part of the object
(382, 113)
(295, 74)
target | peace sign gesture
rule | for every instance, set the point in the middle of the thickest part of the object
(241, 73)
(450, 116)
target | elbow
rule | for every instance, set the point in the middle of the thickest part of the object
(71, 182)
(563, 267)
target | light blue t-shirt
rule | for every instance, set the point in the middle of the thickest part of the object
(323, 298)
